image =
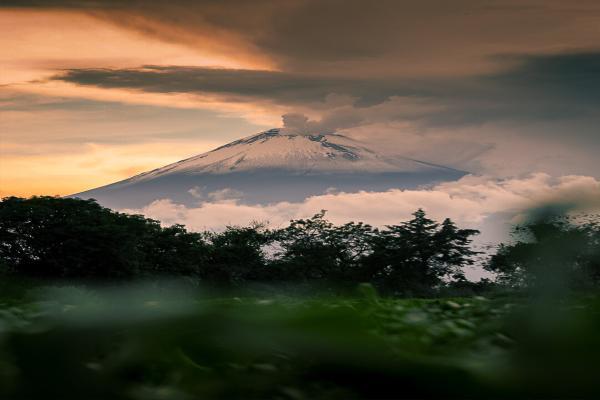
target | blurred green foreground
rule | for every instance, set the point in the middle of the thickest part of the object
(169, 342)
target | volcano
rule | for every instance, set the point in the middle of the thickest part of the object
(273, 166)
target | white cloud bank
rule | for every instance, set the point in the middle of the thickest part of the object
(488, 204)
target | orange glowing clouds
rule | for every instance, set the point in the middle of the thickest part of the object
(37, 43)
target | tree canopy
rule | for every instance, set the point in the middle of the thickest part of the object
(551, 251)
(49, 237)
(52, 237)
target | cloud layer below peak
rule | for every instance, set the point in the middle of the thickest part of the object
(489, 204)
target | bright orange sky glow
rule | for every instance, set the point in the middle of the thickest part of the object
(37, 44)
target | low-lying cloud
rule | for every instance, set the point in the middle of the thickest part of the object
(488, 204)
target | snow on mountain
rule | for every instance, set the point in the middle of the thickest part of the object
(273, 166)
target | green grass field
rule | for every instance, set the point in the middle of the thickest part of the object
(145, 342)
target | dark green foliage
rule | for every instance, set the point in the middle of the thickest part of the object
(314, 248)
(47, 237)
(551, 252)
(167, 341)
(236, 255)
(174, 251)
(147, 342)
(454, 250)
(417, 256)
(50, 237)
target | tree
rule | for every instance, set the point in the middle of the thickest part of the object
(237, 255)
(175, 251)
(454, 250)
(50, 237)
(552, 252)
(314, 248)
(308, 249)
(418, 255)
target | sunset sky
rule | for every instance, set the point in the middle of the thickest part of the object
(92, 92)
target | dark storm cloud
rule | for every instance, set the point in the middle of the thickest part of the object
(278, 86)
(323, 29)
(287, 88)
(567, 77)
(547, 87)
(551, 87)
(536, 88)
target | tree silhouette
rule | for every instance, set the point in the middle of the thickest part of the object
(416, 256)
(314, 248)
(551, 252)
(47, 237)
(236, 255)
(50, 237)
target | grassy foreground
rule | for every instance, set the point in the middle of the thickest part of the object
(145, 342)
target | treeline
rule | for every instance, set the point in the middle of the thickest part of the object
(57, 238)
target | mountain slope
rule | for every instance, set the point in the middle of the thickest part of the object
(272, 166)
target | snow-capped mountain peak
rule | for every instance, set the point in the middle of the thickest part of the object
(274, 165)
(296, 153)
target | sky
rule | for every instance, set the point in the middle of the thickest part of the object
(92, 92)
